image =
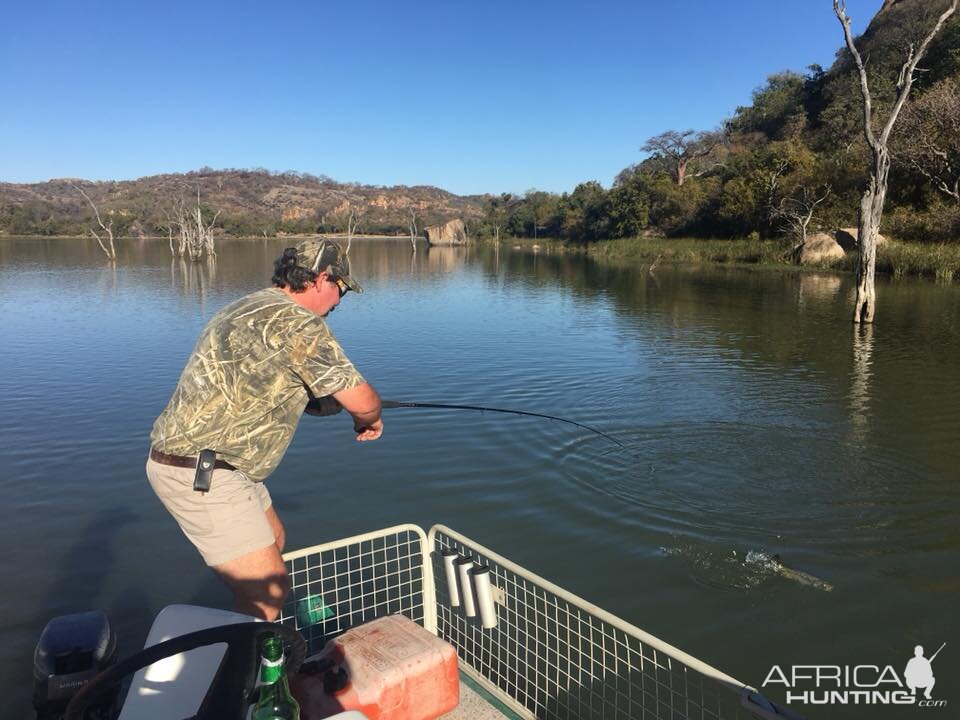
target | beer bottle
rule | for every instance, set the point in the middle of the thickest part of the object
(276, 702)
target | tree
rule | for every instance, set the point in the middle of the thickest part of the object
(776, 106)
(413, 227)
(683, 151)
(108, 248)
(930, 136)
(353, 224)
(796, 211)
(871, 204)
(629, 205)
(497, 212)
(196, 236)
(586, 213)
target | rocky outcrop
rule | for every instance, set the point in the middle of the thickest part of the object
(818, 248)
(451, 233)
(259, 199)
(847, 237)
(295, 212)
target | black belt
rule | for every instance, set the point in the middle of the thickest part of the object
(185, 462)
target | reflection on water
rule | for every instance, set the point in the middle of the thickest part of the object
(446, 258)
(752, 420)
(860, 381)
(193, 278)
(818, 286)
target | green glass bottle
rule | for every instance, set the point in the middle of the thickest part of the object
(276, 702)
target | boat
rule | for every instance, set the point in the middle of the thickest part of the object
(525, 647)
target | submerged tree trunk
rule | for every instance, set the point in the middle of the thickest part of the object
(871, 205)
(868, 227)
(413, 229)
(109, 250)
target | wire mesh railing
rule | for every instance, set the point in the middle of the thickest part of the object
(542, 651)
(559, 657)
(340, 584)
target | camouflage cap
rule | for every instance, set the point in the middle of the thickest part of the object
(323, 255)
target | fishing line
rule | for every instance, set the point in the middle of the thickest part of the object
(390, 404)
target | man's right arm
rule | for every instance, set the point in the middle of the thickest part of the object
(363, 403)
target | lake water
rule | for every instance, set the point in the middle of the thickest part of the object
(756, 417)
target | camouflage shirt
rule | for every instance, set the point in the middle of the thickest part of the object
(246, 383)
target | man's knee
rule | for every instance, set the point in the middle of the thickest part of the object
(259, 581)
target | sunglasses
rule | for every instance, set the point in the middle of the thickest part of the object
(342, 287)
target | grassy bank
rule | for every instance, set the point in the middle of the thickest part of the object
(936, 261)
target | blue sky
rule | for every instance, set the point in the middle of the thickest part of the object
(471, 97)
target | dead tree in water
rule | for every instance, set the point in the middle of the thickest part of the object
(413, 228)
(196, 236)
(108, 249)
(871, 204)
(353, 222)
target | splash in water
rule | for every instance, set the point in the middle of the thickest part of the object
(733, 571)
(773, 563)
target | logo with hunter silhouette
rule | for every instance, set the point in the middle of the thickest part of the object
(919, 671)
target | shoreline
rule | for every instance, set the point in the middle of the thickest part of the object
(936, 262)
(298, 236)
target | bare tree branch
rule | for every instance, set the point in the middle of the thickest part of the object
(353, 222)
(110, 251)
(796, 213)
(928, 137)
(874, 197)
(196, 236)
(413, 227)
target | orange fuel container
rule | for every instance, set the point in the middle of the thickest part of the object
(388, 669)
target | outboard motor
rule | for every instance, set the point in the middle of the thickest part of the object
(72, 649)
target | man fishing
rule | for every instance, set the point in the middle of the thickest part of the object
(258, 364)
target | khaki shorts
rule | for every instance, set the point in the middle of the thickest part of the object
(223, 524)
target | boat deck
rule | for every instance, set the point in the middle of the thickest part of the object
(478, 704)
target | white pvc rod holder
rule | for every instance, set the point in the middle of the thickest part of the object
(484, 590)
(449, 558)
(464, 565)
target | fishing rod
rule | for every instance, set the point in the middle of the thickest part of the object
(391, 404)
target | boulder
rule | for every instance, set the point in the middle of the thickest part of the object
(451, 233)
(820, 247)
(847, 237)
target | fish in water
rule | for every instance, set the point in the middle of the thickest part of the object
(773, 563)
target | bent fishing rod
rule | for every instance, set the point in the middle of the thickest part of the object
(391, 404)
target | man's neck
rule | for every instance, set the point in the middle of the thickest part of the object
(302, 299)
(298, 298)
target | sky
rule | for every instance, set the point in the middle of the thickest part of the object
(480, 97)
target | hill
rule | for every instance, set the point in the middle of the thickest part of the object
(798, 144)
(249, 202)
